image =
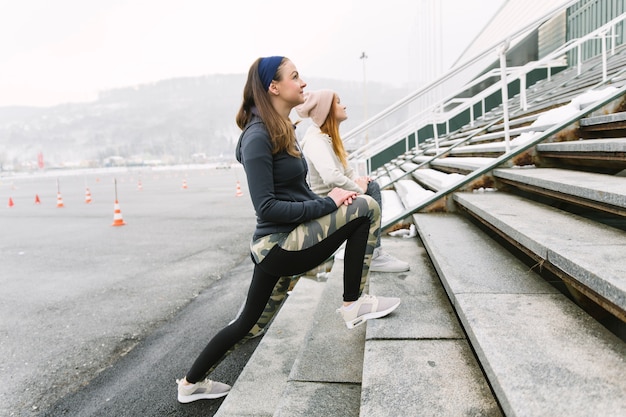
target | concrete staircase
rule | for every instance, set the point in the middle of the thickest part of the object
(515, 303)
(478, 333)
(416, 359)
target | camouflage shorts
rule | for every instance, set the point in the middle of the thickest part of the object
(305, 236)
(314, 231)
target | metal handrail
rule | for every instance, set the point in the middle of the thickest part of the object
(438, 155)
(516, 73)
(452, 72)
(566, 47)
(403, 129)
(475, 133)
(505, 157)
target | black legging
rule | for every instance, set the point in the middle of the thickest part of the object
(280, 262)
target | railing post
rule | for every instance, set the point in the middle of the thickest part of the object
(505, 94)
(613, 40)
(580, 58)
(604, 70)
(549, 69)
(522, 92)
(436, 136)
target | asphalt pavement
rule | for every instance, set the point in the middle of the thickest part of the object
(99, 320)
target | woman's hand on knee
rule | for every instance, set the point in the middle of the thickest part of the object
(341, 196)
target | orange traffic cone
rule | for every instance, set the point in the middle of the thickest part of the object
(117, 216)
(184, 184)
(37, 200)
(139, 186)
(87, 196)
(11, 202)
(60, 200)
(238, 193)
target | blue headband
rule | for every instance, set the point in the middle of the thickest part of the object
(267, 69)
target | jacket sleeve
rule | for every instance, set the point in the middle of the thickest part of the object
(258, 161)
(320, 154)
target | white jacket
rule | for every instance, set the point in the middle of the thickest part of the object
(325, 169)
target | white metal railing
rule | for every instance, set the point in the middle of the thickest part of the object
(616, 76)
(537, 138)
(399, 121)
(452, 81)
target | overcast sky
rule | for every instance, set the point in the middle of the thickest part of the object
(56, 51)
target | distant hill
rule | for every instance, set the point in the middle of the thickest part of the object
(173, 121)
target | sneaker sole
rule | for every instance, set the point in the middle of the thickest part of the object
(185, 399)
(374, 269)
(374, 315)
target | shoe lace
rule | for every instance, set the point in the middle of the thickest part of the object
(364, 298)
(384, 256)
(367, 297)
(206, 383)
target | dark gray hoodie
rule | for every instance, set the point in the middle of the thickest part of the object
(277, 184)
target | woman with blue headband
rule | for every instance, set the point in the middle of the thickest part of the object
(296, 229)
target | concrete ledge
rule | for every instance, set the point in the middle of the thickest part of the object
(417, 359)
(314, 399)
(424, 378)
(260, 385)
(590, 252)
(330, 352)
(449, 234)
(600, 188)
(495, 148)
(418, 159)
(325, 379)
(392, 200)
(425, 311)
(542, 354)
(603, 119)
(466, 164)
(585, 146)
(435, 180)
(545, 356)
(411, 193)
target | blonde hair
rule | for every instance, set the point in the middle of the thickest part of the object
(331, 128)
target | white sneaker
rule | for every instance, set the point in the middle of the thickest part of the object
(367, 307)
(383, 262)
(203, 390)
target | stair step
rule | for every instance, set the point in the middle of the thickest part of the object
(542, 354)
(602, 191)
(607, 153)
(587, 145)
(418, 360)
(434, 179)
(411, 193)
(591, 253)
(604, 119)
(461, 165)
(260, 385)
(325, 379)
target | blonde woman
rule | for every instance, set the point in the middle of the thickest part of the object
(328, 162)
